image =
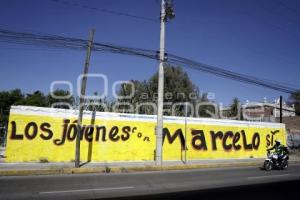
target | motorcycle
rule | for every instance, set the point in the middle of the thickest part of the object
(274, 162)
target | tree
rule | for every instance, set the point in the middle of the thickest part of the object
(177, 85)
(235, 108)
(16, 97)
(207, 109)
(7, 99)
(140, 94)
(36, 99)
(178, 88)
(53, 101)
(295, 99)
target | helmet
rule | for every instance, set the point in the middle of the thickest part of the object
(277, 142)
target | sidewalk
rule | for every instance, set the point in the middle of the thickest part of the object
(37, 168)
(15, 169)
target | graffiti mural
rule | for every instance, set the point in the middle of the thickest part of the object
(47, 133)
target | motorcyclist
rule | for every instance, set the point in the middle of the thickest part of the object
(279, 149)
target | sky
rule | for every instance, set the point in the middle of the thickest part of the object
(260, 38)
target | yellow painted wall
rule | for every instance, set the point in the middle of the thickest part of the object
(139, 146)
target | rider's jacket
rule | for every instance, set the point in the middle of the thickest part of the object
(279, 149)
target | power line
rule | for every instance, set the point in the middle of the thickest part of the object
(54, 41)
(274, 26)
(287, 7)
(179, 61)
(75, 4)
(275, 13)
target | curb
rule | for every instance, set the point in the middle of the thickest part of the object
(107, 170)
(58, 171)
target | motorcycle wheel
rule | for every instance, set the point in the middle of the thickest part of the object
(267, 165)
(285, 164)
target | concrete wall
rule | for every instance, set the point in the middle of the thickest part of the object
(36, 134)
(293, 138)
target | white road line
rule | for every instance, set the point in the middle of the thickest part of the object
(87, 190)
(270, 176)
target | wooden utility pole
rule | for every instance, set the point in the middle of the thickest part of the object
(82, 97)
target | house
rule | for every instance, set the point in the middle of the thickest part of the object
(267, 111)
(262, 111)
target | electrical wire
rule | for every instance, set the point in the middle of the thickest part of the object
(179, 61)
(287, 7)
(54, 41)
(75, 4)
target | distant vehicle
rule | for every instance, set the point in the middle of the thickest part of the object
(275, 161)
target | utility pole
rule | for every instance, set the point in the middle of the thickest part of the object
(82, 96)
(280, 115)
(159, 127)
(185, 131)
(165, 13)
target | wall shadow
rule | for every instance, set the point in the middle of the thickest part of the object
(90, 150)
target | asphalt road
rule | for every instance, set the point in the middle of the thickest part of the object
(234, 183)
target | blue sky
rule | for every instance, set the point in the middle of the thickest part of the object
(255, 37)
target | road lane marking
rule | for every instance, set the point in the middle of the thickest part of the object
(87, 190)
(269, 176)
